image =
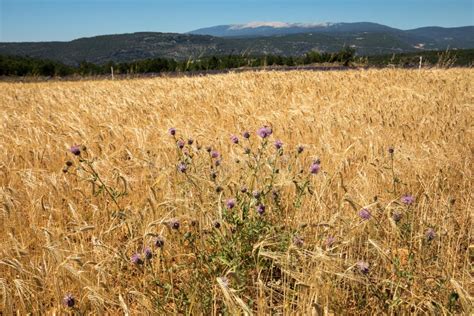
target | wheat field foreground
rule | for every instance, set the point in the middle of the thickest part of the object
(351, 193)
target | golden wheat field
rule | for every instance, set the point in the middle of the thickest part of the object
(355, 199)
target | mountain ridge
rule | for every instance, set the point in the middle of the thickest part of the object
(273, 28)
(366, 38)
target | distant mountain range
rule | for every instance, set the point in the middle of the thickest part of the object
(425, 37)
(255, 29)
(257, 38)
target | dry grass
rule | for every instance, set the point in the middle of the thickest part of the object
(57, 237)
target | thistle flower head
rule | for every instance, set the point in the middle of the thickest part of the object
(174, 223)
(278, 144)
(430, 234)
(300, 149)
(182, 167)
(172, 131)
(407, 199)
(75, 150)
(256, 194)
(315, 167)
(190, 141)
(391, 150)
(363, 267)
(136, 259)
(213, 175)
(243, 189)
(246, 135)
(148, 253)
(69, 300)
(180, 144)
(397, 216)
(159, 242)
(215, 154)
(264, 132)
(234, 139)
(261, 209)
(230, 203)
(365, 214)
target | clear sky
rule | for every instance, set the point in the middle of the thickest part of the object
(46, 20)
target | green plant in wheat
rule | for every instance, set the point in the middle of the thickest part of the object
(86, 164)
(242, 214)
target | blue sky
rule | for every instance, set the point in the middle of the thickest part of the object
(45, 20)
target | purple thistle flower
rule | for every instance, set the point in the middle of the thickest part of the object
(264, 132)
(407, 199)
(315, 167)
(190, 141)
(430, 234)
(278, 144)
(182, 167)
(180, 144)
(172, 131)
(215, 154)
(218, 163)
(300, 149)
(136, 259)
(261, 209)
(148, 253)
(298, 241)
(69, 300)
(75, 150)
(364, 214)
(230, 203)
(363, 267)
(243, 189)
(234, 139)
(397, 216)
(159, 242)
(246, 135)
(256, 194)
(174, 223)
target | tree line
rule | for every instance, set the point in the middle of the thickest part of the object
(28, 66)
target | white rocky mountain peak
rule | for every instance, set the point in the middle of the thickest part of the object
(279, 25)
